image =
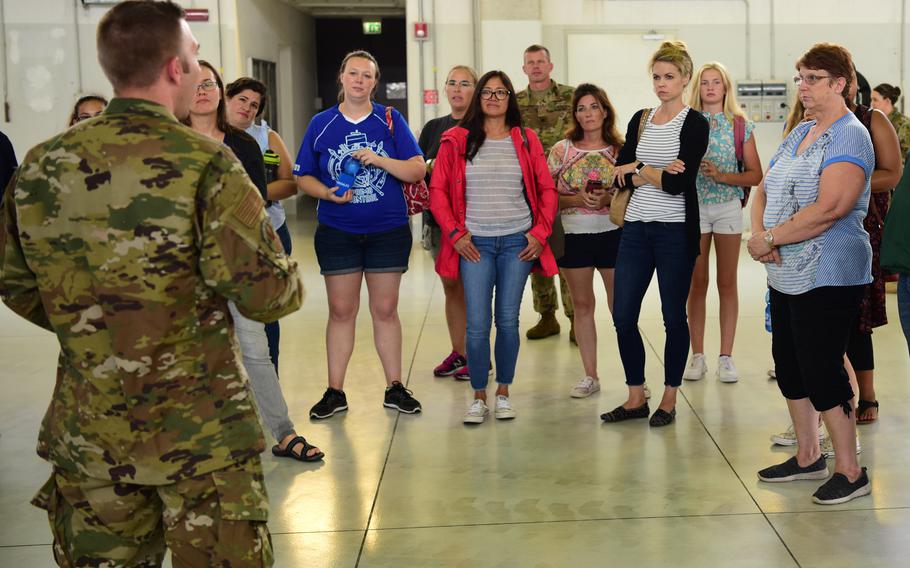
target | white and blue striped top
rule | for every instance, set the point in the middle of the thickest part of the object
(840, 256)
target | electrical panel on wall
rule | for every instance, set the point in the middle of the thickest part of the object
(763, 101)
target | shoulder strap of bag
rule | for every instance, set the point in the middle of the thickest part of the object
(642, 122)
(388, 120)
(739, 136)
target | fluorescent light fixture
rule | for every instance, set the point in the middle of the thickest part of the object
(652, 35)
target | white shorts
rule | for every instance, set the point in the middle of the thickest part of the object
(721, 218)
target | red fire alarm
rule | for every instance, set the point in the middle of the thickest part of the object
(421, 31)
(197, 14)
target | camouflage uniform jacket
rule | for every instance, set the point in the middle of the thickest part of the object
(902, 125)
(551, 116)
(126, 236)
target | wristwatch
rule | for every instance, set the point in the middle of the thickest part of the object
(769, 239)
(639, 167)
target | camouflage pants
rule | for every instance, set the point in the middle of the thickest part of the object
(216, 519)
(544, 292)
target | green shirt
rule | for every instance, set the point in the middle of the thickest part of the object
(126, 235)
(548, 113)
(896, 237)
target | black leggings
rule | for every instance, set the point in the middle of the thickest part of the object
(859, 350)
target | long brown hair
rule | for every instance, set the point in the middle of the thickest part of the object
(474, 117)
(609, 132)
(221, 119)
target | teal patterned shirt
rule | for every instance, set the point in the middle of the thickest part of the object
(722, 154)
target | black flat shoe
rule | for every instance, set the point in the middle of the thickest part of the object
(621, 413)
(662, 418)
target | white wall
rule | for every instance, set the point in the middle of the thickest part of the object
(51, 59)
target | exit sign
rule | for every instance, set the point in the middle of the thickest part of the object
(372, 27)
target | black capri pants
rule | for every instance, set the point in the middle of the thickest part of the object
(809, 336)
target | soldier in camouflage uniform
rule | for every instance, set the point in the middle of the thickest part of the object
(126, 236)
(546, 107)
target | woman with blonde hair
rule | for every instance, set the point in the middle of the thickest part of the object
(659, 162)
(730, 165)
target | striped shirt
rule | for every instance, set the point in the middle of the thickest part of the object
(840, 256)
(657, 147)
(496, 204)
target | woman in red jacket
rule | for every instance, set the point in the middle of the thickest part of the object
(493, 196)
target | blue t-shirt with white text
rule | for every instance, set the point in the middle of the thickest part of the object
(378, 203)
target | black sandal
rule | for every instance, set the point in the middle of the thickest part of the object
(864, 405)
(662, 418)
(288, 451)
(621, 413)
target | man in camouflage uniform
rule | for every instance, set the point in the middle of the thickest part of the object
(546, 107)
(126, 236)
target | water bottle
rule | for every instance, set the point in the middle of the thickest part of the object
(350, 167)
(768, 311)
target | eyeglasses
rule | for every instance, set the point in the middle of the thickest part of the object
(501, 94)
(207, 85)
(810, 79)
(462, 84)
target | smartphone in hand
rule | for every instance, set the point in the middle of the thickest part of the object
(593, 184)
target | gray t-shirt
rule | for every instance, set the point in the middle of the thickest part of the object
(496, 204)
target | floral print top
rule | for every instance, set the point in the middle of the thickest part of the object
(722, 153)
(572, 168)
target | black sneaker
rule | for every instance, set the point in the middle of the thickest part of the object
(399, 398)
(790, 471)
(332, 401)
(839, 490)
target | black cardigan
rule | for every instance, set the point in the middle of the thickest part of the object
(693, 143)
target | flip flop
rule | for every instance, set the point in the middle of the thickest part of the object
(862, 407)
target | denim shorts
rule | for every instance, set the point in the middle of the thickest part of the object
(341, 252)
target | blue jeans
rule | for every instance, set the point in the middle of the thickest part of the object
(645, 247)
(499, 268)
(903, 304)
(273, 329)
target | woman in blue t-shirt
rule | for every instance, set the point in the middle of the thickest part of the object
(353, 162)
(807, 229)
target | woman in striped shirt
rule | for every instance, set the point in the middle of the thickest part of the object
(807, 228)
(661, 230)
(494, 199)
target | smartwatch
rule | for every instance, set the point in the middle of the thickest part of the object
(639, 167)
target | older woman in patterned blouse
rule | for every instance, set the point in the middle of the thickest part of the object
(807, 221)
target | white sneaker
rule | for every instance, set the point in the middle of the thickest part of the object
(504, 410)
(828, 446)
(788, 437)
(477, 412)
(726, 371)
(585, 388)
(772, 373)
(697, 368)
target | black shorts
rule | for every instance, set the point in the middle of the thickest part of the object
(809, 335)
(341, 252)
(586, 250)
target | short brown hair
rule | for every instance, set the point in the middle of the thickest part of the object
(136, 38)
(536, 47)
(249, 84)
(830, 57)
